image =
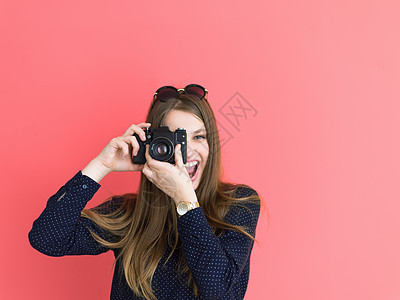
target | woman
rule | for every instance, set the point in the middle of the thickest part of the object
(184, 235)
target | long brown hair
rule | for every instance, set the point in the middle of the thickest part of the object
(147, 220)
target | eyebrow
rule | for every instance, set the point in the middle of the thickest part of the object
(199, 130)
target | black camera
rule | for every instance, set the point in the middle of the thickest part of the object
(162, 143)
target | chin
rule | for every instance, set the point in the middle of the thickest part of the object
(196, 183)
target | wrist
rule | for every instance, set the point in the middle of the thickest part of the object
(186, 201)
(186, 197)
(183, 207)
(96, 170)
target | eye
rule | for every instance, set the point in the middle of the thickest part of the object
(201, 136)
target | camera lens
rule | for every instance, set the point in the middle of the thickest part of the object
(161, 149)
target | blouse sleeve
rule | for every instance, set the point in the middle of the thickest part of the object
(60, 230)
(217, 263)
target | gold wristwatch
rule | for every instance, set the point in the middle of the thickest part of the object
(184, 206)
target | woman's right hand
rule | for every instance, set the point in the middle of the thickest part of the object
(118, 154)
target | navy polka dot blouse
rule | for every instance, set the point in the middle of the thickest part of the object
(220, 266)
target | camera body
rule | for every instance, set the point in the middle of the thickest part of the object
(162, 143)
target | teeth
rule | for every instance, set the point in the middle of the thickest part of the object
(191, 164)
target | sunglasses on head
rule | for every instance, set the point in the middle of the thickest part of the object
(166, 93)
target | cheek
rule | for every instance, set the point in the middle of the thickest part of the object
(204, 158)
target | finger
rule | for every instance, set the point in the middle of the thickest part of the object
(178, 156)
(132, 139)
(153, 163)
(179, 162)
(147, 154)
(147, 172)
(122, 146)
(131, 145)
(137, 129)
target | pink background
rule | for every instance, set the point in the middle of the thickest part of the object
(321, 146)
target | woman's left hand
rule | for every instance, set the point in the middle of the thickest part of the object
(174, 180)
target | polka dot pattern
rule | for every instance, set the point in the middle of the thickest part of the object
(220, 266)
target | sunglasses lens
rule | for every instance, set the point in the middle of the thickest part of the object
(196, 91)
(167, 94)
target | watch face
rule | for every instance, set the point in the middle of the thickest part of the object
(182, 208)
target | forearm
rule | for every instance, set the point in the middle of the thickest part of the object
(59, 230)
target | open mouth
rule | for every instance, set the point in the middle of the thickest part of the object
(192, 168)
(194, 172)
